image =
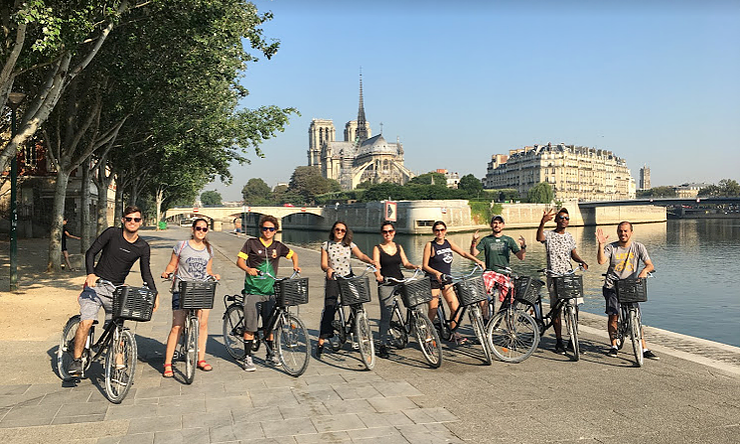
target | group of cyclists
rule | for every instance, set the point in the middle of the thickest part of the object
(192, 259)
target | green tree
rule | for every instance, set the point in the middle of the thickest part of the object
(384, 191)
(210, 198)
(471, 185)
(729, 187)
(256, 192)
(308, 182)
(658, 192)
(429, 179)
(540, 193)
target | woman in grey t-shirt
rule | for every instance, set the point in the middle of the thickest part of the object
(191, 261)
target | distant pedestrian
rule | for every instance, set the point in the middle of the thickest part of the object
(65, 253)
(335, 256)
(561, 248)
(624, 257)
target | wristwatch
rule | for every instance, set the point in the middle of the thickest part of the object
(523, 247)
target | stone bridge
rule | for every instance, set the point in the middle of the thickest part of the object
(227, 218)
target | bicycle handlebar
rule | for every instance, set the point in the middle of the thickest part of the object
(567, 273)
(267, 273)
(476, 269)
(171, 276)
(403, 281)
(370, 268)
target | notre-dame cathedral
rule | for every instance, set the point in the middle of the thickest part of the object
(360, 157)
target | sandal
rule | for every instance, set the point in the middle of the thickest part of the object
(203, 365)
(168, 373)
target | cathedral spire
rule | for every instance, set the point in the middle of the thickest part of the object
(361, 122)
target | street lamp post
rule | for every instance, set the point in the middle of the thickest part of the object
(14, 100)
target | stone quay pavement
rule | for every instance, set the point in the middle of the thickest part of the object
(691, 395)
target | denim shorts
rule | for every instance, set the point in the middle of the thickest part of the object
(92, 298)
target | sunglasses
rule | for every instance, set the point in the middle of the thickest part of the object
(132, 219)
(268, 228)
(203, 229)
(563, 218)
(387, 231)
(440, 230)
(340, 230)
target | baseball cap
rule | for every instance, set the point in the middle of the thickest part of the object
(499, 218)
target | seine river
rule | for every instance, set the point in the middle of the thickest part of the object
(696, 290)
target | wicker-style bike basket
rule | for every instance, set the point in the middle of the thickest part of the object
(196, 295)
(416, 292)
(632, 290)
(292, 291)
(471, 290)
(133, 303)
(527, 289)
(569, 287)
(355, 290)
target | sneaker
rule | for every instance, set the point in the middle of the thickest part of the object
(559, 348)
(650, 355)
(319, 350)
(383, 352)
(612, 353)
(273, 360)
(75, 368)
(247, 364)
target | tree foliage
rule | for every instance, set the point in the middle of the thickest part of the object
(540, 193)
(725, 188)
(657, 192)
(471, 185)
(308, 182)
(256, 192)
(210, 198)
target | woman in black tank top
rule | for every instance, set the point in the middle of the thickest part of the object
(437, 262)
(390, 256)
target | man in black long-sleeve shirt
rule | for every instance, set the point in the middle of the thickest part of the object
(121, 248)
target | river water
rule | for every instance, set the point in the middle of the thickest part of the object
(696, 290)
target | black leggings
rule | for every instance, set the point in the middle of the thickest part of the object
(331, 293)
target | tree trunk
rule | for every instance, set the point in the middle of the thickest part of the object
(57, 222)
(158, 200)
(103, 182)
(85, 201)
(134, 194)
(118, 213)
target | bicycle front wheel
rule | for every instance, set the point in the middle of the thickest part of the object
(480, 332)
(427, 337)
(571, 322)
(120, 364)
(293, 344)
(364, 338)
(636, 333)
(233, 331)
(513, 335)
(66, 347)
(191, 348)
(397, 331)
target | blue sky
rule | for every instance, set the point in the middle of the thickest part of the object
(456, 82)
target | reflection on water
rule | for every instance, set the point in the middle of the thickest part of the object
(696, 290)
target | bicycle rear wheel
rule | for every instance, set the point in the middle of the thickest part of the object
(480, 332)
(364, 337)
(622, 327)
(397, 331)
(191, 348)
(120, 364)
(293, 344)
(571, 322)
(427, 337)
(233, 331)
(66, 347)
(636, 334)
(513, 335)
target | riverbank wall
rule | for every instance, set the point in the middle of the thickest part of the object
(417, 217)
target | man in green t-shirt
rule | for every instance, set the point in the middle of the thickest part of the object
(498, 247)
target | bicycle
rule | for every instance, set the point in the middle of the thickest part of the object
(117, 342)
(629, 293)
(470, 292)
(291, 340)
(354, 291)
(194, 296)
(512, 333)
(415, 293)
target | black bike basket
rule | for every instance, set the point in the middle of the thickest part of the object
(355, 290)
(527, 289)
(471, 290)
(632, 290)
(568, 287)
(196, 295)
(416, 292)
(133, 303)
(292, 291)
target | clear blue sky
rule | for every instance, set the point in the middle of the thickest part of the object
(456, 82)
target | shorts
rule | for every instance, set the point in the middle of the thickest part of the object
(553, 293)
(436, 285)
(92, 298)
(252, 311)
(176, 300)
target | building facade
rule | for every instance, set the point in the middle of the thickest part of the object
(359, 157)
(574, 172)
(645, 178)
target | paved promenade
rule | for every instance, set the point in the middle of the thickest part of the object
(692, 395)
